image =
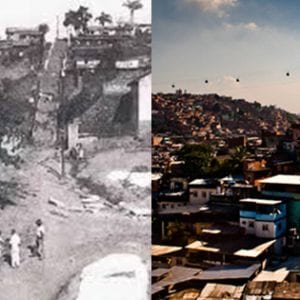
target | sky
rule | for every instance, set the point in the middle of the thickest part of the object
(30, 13)
(256, 41)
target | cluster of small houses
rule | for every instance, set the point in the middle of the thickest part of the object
(211, 116)
(83, 55)
(21, 43)
(235, 237)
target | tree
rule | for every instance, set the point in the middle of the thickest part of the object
(104, 18)
(133, 5)
(78, 19)
(237, 158)
(199, 160)
(43, 28)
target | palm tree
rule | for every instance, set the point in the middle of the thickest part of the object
(237, 158)
(133, 5)
(104, 18)
(78, 19)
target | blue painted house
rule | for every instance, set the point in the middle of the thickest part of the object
(265, 219)
(284, 187)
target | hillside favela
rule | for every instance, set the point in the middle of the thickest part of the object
(226, 206)
(225, 150)
(75, 152)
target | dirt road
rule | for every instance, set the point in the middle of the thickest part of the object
(73, 241)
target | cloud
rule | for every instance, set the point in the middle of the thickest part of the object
(218, 7)
(229, 79)
(251, 26)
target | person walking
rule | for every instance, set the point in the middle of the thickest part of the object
(40, 237)
(15, 242)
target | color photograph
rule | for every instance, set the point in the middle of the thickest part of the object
(225, 149)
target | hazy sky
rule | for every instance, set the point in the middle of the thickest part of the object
(257, 41)
(33, 12)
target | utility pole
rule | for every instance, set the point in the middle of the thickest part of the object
(57, 27)
(63, 119)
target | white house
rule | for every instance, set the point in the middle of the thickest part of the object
(200, 190)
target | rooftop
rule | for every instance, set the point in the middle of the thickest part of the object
(261, 201)
(228, 272)
(183, 210)
(201, 182)
(282, 179)
(245, 246)
(159, 272)
(156, 176)
(259, 288)
(30, 31)
(278, 275)
(287, 290)
(157, 250)
(221, 291)
(175, 275)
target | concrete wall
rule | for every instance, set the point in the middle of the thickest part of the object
(245, 223)
(73, 134)
(145, 87)
(264, 229)
(200, 195)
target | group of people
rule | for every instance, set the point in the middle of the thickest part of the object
(14, 243)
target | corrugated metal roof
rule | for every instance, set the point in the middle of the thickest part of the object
(260, 288)
(157, 250)
(156, 288)
(287, 290)
(159, 272)
(208, 183)
(255, 252)
(244, 246)
(179, 274)
(221, 291)
(282, 179)
(278, 275)
(187, 294)
(261, 201)
(228, 272)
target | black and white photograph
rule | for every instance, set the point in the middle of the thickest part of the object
(75, 149)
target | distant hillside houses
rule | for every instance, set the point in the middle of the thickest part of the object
(21, 43)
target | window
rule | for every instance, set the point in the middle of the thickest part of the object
(244, 222)
(204, 194)
(195, 194)
(265, 227)
(251, 224)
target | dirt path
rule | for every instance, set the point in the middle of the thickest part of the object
(72, 242)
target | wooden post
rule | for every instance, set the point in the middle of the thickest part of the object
(63, 114)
